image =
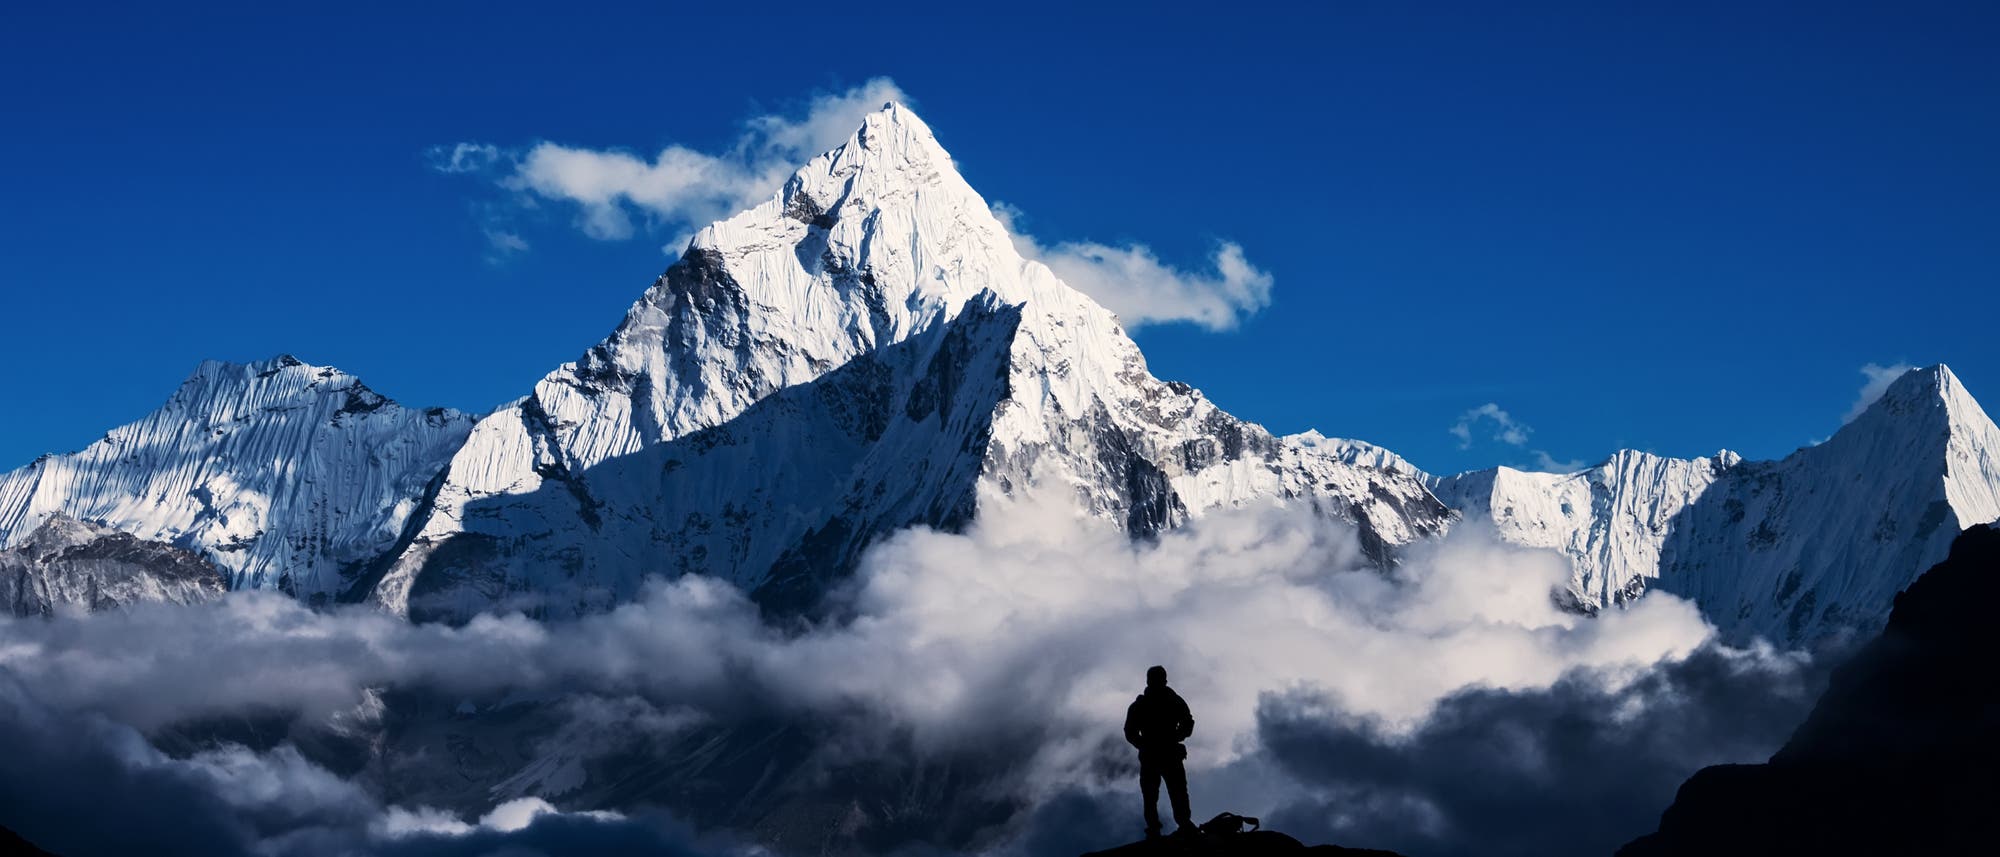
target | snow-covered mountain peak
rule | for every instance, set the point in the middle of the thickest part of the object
(281, 473)
(58, 531)
(1926, 399)
(223, 392)
(875, 292)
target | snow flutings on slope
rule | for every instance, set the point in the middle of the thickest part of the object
(286, 475)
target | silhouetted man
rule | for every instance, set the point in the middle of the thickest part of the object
(1156, 723)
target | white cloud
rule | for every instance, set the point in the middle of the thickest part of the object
(1549, 463)
(679, 186)
(1505, 428)
(463, 157)
(680, 189)
(1032, 622)
(1878, 380)
(502, 243)
(1131, 280)
(1031, 630)
(1512, 432)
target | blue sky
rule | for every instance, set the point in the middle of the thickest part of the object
(1676, 227)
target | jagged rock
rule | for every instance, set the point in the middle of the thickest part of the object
(1249, 843)
(67, 564)
(13, 845)
(1897, 757)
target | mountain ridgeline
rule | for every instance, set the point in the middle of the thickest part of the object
(866, 351)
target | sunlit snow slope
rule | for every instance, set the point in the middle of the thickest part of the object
(860, 353)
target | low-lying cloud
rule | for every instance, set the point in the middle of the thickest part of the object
(1016, 644)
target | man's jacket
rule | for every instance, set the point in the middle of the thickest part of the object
(1157, 722)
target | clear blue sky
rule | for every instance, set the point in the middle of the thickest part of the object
(1670, 226)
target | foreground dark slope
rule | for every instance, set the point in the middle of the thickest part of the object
(1249, 843)
(1898, 757)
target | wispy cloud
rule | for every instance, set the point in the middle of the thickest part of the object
(678, 187)
(1879, 378)
(1133, 282)
(1510, 431)
(462, 157)
(1505, 428)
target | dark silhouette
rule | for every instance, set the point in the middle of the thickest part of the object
(1156, 723)
(1899, 755)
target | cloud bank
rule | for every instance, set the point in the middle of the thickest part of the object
(1006, 654)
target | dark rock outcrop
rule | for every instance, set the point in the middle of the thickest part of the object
(1250, 843)
(13, 845)
(67, 564)
(1898, 757)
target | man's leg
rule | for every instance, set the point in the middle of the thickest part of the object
(1149, 788)
(1176, 775)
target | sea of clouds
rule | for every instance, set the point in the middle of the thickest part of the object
(1446, 707)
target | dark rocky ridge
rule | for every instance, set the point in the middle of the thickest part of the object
(1898, 757)
(68, 564)
(1249, 843)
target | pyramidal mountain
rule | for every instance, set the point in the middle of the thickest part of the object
(866, 351)
(863, 352)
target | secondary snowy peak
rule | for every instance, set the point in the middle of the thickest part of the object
(1358, 453)
(863, 269)
(66, 564)
(1972, 446)
(1610, 520)
(284, 474)
(1824, 539)
(1814, 544)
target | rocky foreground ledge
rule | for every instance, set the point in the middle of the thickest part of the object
(1251, 843)
(1899, 756)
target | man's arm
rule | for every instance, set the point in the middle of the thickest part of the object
(1132, 724)
(1187, 721)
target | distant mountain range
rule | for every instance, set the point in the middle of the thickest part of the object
(866, 351)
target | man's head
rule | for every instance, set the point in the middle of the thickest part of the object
(1156, 677)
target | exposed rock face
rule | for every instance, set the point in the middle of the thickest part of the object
(285, 475)
(1898, 756)
(1249, 843)
(69, 565)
